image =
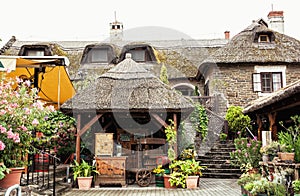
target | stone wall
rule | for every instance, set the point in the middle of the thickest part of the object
(236, 82)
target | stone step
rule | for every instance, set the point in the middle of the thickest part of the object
(223, 166)
(221, 175)
(217, 154)
(222, 170)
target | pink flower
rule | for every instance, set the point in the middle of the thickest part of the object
(27, 83)
(27, 111)
(2, 112)
(246, 154)
(2, 145)
(16, 138)
(24, 128)
(10, 134)
(35, 122)
(2, 129)
(248, 145)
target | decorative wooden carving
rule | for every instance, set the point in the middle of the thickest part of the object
(112, 170)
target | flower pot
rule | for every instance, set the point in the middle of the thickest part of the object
(12, 178)
(265, 158)
(159, 180)
(167, 182)
(192, 182)
(84, 183)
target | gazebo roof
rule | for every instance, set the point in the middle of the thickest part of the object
(283, 99)
(128, 87)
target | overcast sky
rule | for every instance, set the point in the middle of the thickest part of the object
(57, 20)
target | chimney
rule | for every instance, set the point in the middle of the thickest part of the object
(227, 35)
(276, 21)
(116, 30)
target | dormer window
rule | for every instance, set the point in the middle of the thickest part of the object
(138, 55)
(98, 55)
(263, 38)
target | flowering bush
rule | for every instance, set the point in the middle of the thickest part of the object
(21, 114)
(246, 154)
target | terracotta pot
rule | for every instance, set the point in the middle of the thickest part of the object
(167, 183)
(84, 183)
(192, 182)
(12, 178)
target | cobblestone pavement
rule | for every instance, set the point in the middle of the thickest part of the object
(208, 187)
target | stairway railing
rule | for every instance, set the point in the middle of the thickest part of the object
(41, 171)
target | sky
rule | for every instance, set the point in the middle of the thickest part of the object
(88, 20)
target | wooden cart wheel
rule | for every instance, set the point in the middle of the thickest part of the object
(130, 178)
(143, 177)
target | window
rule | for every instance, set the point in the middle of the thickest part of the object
(138, 55)
(267, 82)
(263, 38)
(35, 53)
(98, 55)
(185, 89)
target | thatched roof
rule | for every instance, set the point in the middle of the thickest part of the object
(128, 86)
(244, 47)
(290, 92)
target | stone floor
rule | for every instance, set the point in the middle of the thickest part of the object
(208, 187)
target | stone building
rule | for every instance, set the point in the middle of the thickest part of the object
(256, 62)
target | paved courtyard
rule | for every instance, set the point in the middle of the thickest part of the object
(208, 187)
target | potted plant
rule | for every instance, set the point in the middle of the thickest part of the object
(186, 173)
(296, 187)
(83, 173)
(246, 178)
(159, 176)
(246, 154)
(21, 113)
(263, 187)
(223, 137)
(270, 151)
(171, 136)
(290, 138)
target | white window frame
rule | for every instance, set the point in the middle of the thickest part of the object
(263, 35)
(280, 68)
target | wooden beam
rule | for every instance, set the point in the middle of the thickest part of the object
(158, 118)
(89, 124)
(259, 123)
(273, 127)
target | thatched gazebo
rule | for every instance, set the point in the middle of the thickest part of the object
(127, 97)
(277, 106)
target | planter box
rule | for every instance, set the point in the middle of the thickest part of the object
(285, 156)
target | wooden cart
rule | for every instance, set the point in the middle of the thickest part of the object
(143, 161)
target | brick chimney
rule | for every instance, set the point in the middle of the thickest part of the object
(276, 21)
(227, 35)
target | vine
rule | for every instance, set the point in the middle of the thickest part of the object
(199, 120)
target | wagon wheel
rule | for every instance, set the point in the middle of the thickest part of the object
(130, 178)
(143, 177)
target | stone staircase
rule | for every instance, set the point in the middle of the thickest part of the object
(217, 162)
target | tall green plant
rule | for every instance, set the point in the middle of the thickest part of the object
(291, 137)
(199, 120)
(164, 74)
(237, 121)
(171, 135)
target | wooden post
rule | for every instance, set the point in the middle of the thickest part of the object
(273, 127)
(260, 125)
(78, 139)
